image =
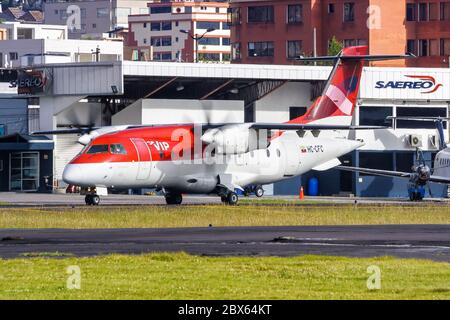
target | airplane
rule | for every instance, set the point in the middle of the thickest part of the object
(223, 158)
(421, 174)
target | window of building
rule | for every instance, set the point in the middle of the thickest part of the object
(208, 25)
(225, 41)
(374, 116)
(294, 49)
(295, 13)
(158, 10)
(236, 51)
(295, 112)
(13, 56)
(376, 160)
(144, 40)
(331, 8)
(433, 11)
(209, 56)
(155, 26)
(162, 56)
(260, 49)
(445, 10)
(411, 46)
(423, 14)
(233, 16)
(94, 26)
(209, 41)
(161, 41)
(226, 57)
(145, 25)
(434, 47)
(225, 26)
(166, 25)
(349, 11)
(410, 12)
(102, 12)
(123, 12)
(423, 48)
(260, 14)
(445, 47)
(24, 172)
(350, 42)
(404, 161)
(419, 112)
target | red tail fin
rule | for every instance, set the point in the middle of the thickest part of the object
(339, 96)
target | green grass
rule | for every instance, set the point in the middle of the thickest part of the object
(181, 276)
(219, 215)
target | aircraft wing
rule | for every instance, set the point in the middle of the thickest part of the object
(298, 126)
(376, 172)
(440, 179)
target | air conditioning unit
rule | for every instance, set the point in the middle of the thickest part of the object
(434, 141)
(415, 140)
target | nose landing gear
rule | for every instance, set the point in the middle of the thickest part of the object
(92, 200)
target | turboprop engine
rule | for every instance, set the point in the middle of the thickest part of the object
(86, 138)
(236, 139)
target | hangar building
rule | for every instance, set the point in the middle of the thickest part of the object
(116, 92)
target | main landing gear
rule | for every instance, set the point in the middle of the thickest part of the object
(92, 200)
(174, 198)
(231, 198)
(257, 190)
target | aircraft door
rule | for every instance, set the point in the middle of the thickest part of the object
(144, 158)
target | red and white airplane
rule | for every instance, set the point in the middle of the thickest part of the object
(220, 158)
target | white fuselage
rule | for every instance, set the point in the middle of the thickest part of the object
(287, 156)
(441, 166)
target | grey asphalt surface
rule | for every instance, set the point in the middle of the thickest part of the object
(406, 241)
(11, 199)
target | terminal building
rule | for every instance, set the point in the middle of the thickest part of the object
(123, 92)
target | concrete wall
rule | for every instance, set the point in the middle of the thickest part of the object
(275, 106)
(77, 50)
(150, 111)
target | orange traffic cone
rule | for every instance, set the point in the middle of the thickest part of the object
(301, 194)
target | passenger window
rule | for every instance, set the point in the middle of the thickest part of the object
(118, 149)
(278, 153)
(268, 153)
(99, 148)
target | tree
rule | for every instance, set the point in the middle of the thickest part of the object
(335, 46)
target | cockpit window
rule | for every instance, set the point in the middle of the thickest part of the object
(118, 149)
(99, 148)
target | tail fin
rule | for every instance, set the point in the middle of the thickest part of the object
(338, 100)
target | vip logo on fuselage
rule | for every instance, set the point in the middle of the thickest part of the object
(426, 83)
(160, 146)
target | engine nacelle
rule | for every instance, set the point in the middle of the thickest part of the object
(85, 139)
(236, 139)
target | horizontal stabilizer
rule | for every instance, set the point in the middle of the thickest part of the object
(358, 57)
(327, 165)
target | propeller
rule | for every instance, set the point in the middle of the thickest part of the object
(422, 172)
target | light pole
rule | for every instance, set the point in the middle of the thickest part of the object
(196, 38)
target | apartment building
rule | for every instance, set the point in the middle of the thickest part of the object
(92, 18)
(279, 31)
(181, 31)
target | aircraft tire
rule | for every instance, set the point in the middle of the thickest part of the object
(88, 200)
(259, 191)
(232, 199)
(174, 199)
(95, 200)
